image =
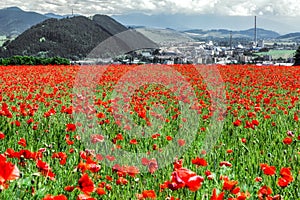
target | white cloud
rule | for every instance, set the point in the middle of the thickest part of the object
(222, 7)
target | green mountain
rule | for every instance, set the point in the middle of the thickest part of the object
(72, 38)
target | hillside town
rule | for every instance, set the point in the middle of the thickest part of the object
(222, 50)
(201, 52)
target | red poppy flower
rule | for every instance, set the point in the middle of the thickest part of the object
(199, 161)
(110, 158)
(97, 138)
(194, 183)
(2, 136)
(152, 165)
(67, 138)
(285, 172)
(121, 181)
(225, 163)
(181, 142)
(132, 171)
(108, 187)
(71, 127)
(186, 178)
(258, 179)
(127, 127)
(29, 121)
(155, 136)
(267, 116)
(8, 172)
(267, 100)
(61, 156)
(108, 178)
(45, 169)
(22, 142)
(169, 138)
(119, 137)
(217, 197)
(133, 141)
(286, 177)
(255, 122)
(243, 195)
(101, 115)
(84, 197)
(144, 161)
(17, 123)
(229, 151)
(264, 192)
(235, 190)
(35, 127)
(268, 170)
(229, 185)
(147, 194)
(58, 197)
(69, 188)
(282, 182)
(287, 140)
(208, 173)
(100, 191)
(237, 122)
(296, 118)
(85, 184)
(177, 164)
(249, 125)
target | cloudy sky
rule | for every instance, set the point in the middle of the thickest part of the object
(278, 15)
(221, 7)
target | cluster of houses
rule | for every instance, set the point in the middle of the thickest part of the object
(209, 53)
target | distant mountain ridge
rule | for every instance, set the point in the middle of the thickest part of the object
(181, 22)
(15, 21)
(53, 15)
(219, 33)
(291, 36)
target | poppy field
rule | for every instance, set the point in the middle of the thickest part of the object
(150, 132)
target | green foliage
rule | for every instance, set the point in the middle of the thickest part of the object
(30, 60)
(297, 57)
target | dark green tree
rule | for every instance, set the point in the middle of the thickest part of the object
(297, 57)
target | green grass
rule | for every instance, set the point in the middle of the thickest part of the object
(276, 54)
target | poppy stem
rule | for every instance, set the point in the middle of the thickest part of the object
(195, 197)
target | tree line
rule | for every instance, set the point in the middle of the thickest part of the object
(31, 60)
(297, 57)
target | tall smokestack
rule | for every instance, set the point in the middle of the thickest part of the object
(255, 31)
(230, 42)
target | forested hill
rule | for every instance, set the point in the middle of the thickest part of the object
(71, 38)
